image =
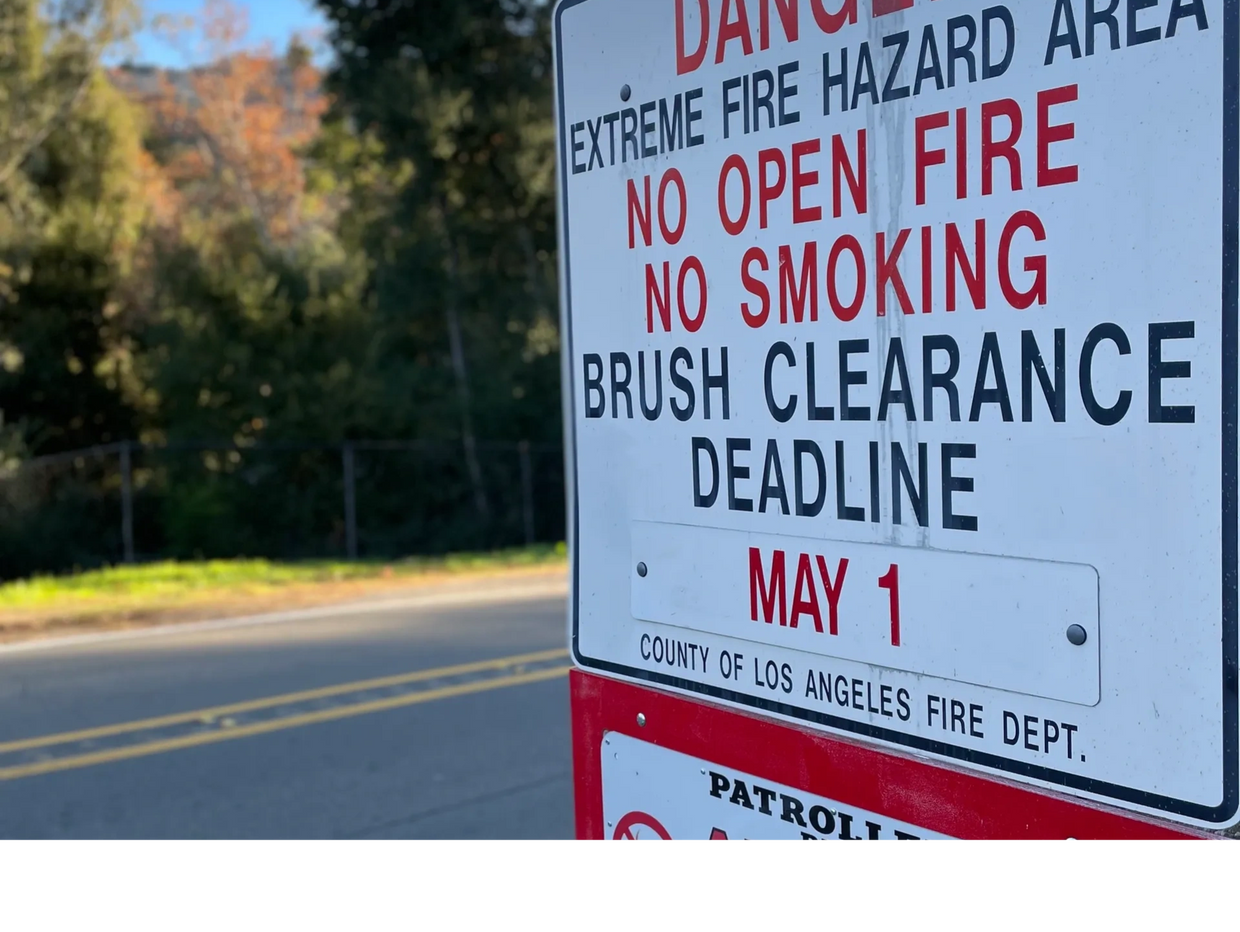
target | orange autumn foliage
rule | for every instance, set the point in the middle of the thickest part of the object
(228, 135)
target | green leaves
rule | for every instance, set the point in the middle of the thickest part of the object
(69, 217)
(193, 255)
(458, 95)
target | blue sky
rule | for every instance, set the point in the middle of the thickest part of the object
(273, 21)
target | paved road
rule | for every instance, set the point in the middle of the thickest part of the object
(409, 720)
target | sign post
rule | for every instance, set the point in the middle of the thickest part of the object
(900, 371)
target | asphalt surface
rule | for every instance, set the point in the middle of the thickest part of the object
(446, 746)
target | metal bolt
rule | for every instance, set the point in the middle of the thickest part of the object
(625, 93)
(1077, 635)
(641, 720)
(642, 570)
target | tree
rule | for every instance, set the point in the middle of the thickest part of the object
(459, 90)
(256, 328)
(50, 55)
(70, 216)
(230, 134)
(250, 293)
(238, 252)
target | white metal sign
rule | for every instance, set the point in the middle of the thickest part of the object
(901, 348)
(654, 794)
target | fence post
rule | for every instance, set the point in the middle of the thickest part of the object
(127, 500)
(350, 501)
(527, 491)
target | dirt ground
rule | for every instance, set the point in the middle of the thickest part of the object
(121, 614)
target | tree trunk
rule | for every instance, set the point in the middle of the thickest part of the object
(461, 372)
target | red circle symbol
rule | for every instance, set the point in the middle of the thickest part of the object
(630, 828)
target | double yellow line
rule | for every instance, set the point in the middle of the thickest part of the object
(217, 714)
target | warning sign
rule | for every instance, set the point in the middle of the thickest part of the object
(702, 800)
(901, 354)
(654, 766)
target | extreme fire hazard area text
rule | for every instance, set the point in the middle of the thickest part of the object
(901, 347)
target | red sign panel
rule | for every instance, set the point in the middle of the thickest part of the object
(652, 765)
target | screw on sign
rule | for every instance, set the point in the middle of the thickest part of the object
(638, 826)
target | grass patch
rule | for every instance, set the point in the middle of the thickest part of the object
(175, 591)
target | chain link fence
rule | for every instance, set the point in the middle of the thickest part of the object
(131, 502)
